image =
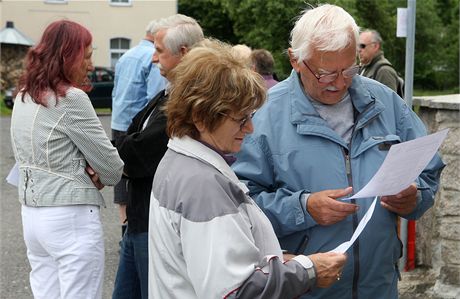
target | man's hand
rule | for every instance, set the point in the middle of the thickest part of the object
(326, 210)
(94, 177)
(402, 203)
(328, 267)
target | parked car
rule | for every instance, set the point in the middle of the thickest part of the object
(100, 96)
(8, 99)
(102, 81)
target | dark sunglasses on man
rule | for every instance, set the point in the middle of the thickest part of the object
(363, 46)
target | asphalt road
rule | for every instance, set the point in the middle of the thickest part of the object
(14, 266)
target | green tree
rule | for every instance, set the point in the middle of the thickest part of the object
(267, 24)
(447, 63)
(212, 17)
(381, 16)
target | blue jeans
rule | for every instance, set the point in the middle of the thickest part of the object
(133, 269)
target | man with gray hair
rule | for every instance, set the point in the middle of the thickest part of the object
(137, 81)
(373, 64)
(322, 135)
(141, 149)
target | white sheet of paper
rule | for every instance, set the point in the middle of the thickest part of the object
(342, 248)
(403, 164)
(13, 176)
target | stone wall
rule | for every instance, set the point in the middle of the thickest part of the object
(437, 273)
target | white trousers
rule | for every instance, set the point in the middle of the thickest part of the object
(65, 248)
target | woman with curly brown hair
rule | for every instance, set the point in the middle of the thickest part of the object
(207, 237)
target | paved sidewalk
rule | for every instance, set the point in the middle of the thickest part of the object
(14, 267)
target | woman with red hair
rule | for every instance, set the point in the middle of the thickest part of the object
(64, 159)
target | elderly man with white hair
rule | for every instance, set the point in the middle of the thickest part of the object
(322, 134)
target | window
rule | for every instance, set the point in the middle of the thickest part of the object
(118, 47)
(120, 2)
(56, 1)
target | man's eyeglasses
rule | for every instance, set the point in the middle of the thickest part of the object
(363, 46)
(328, 78)
(241, 121)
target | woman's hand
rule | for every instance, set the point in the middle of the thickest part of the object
(94, 177)
(328, 267)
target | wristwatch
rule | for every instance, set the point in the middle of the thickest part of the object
(306, 262)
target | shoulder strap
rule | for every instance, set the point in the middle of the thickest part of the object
(379, 66)
(400, 82)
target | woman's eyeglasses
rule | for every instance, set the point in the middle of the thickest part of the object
(241, 121)
(328, 78)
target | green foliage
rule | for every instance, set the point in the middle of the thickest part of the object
(212, 17)
(381, 16)
(267, 24)
(449, 46)
(3, 109)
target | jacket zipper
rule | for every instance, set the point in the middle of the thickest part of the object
(353, 201)
(355, 225)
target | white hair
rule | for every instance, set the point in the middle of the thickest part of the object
(326, 28)
(181, 31)
(150, 27)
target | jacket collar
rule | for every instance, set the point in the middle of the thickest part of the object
(195, 149)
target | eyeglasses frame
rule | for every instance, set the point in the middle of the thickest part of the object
(241, 121)
(331, 77)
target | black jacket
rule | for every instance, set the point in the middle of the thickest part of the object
(142, 150)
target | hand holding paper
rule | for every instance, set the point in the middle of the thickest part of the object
(403, 164)
(326, 210)
(402, 203)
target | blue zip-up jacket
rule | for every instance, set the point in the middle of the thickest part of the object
(293, 151)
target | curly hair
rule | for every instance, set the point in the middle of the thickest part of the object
(208, 83)
(50, 65)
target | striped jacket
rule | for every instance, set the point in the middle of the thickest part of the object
(53, 145)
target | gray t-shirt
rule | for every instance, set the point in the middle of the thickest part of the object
(338, 116)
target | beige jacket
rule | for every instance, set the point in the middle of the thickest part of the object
(53, 145)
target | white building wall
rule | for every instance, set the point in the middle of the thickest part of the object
(104, 19)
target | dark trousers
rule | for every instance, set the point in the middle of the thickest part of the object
(131, 281)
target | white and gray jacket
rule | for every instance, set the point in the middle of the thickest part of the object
(207, 238)
(53, 145)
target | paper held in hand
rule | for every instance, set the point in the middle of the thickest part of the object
(403, 164)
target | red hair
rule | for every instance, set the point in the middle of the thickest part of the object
(52, 63)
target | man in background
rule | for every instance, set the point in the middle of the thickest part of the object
(141, 149)
(137, 80)
(373, 64)
(263, 63)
